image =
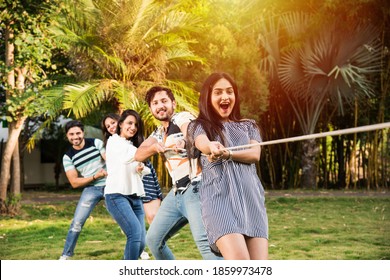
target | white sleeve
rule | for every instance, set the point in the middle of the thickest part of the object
(183, 118)
(100, 146)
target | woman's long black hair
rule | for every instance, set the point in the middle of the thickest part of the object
(105, 132)
(138, 138)
(208, 118)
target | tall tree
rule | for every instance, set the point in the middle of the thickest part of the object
(315, 64)
(121, 48)
(230, 46)
(27, 49)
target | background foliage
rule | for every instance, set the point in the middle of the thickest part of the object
(90, 57)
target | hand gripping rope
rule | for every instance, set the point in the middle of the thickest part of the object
(310, 136)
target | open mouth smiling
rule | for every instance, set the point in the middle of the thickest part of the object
(224, 106)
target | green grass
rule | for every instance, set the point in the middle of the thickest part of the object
(303, 228)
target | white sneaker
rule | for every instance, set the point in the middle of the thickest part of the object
(145, 255)
(64, 258)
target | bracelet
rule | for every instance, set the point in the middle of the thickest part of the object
(230, 155)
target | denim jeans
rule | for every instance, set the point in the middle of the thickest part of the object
(175, 212)
(88, 200)
(128, 212)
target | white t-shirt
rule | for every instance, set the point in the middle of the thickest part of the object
(121, 168)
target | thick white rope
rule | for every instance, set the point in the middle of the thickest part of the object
(317, 135)
(310, 136)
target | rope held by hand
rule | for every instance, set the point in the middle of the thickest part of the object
(308, 136)
(317, 135)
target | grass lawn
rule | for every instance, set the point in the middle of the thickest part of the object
(301, 228)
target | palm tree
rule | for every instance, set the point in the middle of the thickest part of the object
(120, 48)
(331, 64)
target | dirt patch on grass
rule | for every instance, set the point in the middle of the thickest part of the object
(29, 197)
(328, 193)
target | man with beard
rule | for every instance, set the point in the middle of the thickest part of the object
(181, 206)
(84, 165)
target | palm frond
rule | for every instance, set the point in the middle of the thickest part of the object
(186, 97)
(179, 22)
(119, 66)
(81, 99)
(125, 45)
(127, 97)
(291, 72)
(50, 103)
(140, 13)
(37, 135)
(269, 42)
(295, 23)
(331, 63)
(50, 107)
(176, 56)
(351, 74)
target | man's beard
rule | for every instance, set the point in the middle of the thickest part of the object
(163, 119)
(77, 142)
(166, 117)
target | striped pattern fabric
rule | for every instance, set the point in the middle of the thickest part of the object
(231, 195)
(87, 161)
(177, 164)
(151, 185)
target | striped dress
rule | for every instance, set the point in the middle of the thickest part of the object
(231, 195)
(151, 185)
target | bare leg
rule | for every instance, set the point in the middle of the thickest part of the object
(151, 209)
(233, 247)
(258, 248)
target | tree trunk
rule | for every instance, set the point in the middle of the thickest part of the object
(341, 175)
(13, 205)
(21, 157)
(11, 150)
(324, 154)
(14, 131)
(355, 166)
(15, 178)
(309, 165)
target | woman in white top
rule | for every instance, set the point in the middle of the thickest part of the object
(124, 187)
(153, 194)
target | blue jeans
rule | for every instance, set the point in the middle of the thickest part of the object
(174, 213)
(88, 200)
(128, 212)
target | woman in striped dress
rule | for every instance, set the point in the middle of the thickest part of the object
(231, 194)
